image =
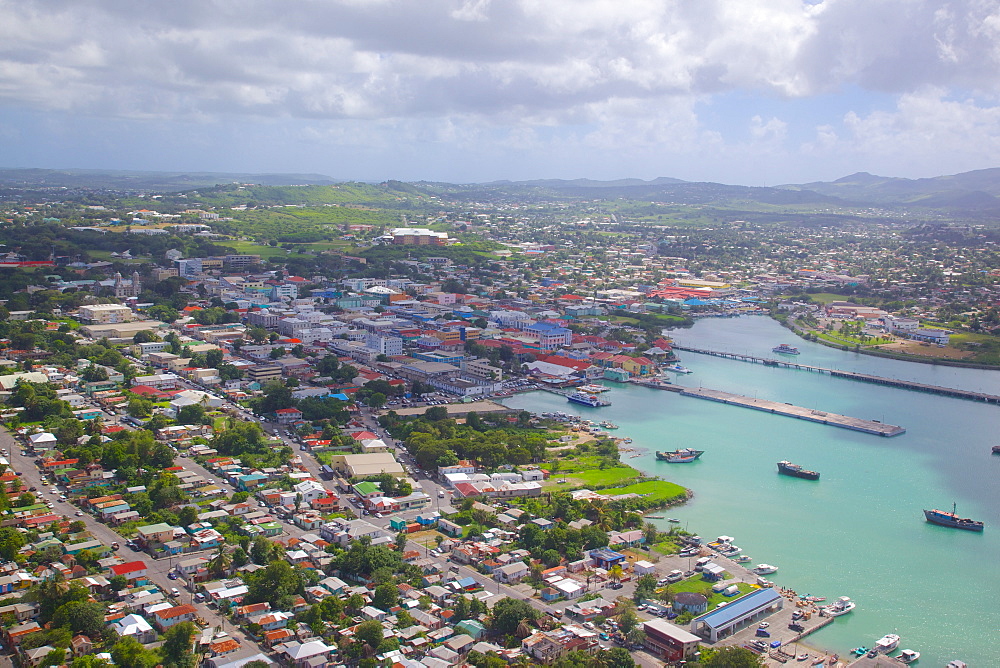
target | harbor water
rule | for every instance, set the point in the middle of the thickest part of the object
(859, 531)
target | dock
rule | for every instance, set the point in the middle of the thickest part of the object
(798, 412)
(851, 375)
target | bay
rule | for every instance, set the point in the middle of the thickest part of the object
(859, 531)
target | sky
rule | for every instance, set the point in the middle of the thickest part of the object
(754, 92)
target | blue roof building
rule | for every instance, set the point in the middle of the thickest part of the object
(739, 614)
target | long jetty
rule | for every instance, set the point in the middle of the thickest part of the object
(778, 408)
(852, 375)
(798, 412)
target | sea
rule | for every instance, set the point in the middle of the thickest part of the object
(859, 531)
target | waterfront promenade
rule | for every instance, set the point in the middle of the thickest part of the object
(852, 375)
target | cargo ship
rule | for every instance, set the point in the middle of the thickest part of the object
(952, 520)
(785, 349)
(682, 456)
(587, 400)
(796, 471)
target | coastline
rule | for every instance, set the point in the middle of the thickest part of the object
(902, 357)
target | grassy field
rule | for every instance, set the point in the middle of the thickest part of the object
(657, 490)
(698, 586)
(594, 478)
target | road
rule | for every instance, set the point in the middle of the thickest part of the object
(157, 568)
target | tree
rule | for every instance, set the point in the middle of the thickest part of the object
(187, 515)
(81, 617)
(145, 336)
(615, 573)
(628, 620)
(11, 541)
(177, 645)
(508, 613)
(386, 597)
(731, 657)
(129, 653)
(191, 414)
(617, 657)
(369, 633)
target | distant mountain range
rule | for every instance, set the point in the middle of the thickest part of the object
(976, 192)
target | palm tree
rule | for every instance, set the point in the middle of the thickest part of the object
(615, 573)
(220, 562)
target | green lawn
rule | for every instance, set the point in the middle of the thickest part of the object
(698, 586)
(657, 490)
(594, 478)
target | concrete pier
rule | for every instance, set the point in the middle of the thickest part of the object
(789, 410)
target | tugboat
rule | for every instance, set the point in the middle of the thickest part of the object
(796, 471)
(587, 400)
(785, 349)
(682, 456)
(952, 520)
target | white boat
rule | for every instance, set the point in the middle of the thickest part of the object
(744, 559)
(887, 643)
(841, 606)
(730, 550)
(765, 569)
(677, 368)
(908, 656)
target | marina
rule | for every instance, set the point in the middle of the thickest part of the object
(871, 493)
(798, 412)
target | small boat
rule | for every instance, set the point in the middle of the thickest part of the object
(729, 550)
(886, 643)
(860, 651)
(744, 559)
(794, 470)
(609, 425)
(677, 368)
(813, 599)
(673, 520)
(909, 656)
(593, 389)
(841, 606)
(681, 456)
(765, 569)
(802, 657)
(587, 400)
(946, 519)
(996, 451)
(785, 349)
(819, 661)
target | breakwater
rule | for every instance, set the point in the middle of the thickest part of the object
(851, 375)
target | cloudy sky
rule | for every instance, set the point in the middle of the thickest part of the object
(757, 92)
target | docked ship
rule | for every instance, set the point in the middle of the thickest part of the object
(677, 368)
(841, 606)
(952, 520)
(587, 400)
(796, 471)
(682, 456)
(886, 643)
(785, 349)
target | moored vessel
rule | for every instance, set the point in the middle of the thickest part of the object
(785, 349)
(946, 519)
(886, 643)
(909, 656)
(677, 368)
(682, 456)
(765, 569)
(841, 606)
(996, 449)
(796, 471)
(587, 400)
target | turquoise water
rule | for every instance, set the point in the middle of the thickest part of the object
(859, 531)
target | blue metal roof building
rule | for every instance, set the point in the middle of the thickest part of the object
(742, 612)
